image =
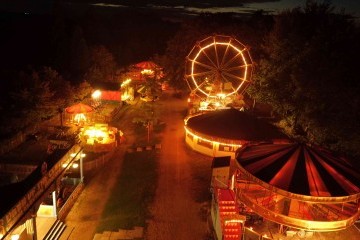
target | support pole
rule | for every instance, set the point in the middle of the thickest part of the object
(54, 204)
(81, 167)
(33, 219)
(148, 131)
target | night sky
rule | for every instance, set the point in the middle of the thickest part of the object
(240, 6)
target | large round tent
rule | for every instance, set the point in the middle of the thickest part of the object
(222, 132)
(297, 185)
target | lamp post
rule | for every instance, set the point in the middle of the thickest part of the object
(80, 156)
(60, 111)
(96, 96)
(148, 131)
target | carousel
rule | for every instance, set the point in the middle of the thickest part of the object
(140, 71)
(98, 137)
(94, 137)
(297, 186)
(79, 114)
(222, 132)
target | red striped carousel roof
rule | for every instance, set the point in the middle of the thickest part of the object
(300, 169)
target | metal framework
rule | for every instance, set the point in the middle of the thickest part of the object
(318, 210)
(219, 66)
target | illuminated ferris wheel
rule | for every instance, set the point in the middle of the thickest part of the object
(218, 66)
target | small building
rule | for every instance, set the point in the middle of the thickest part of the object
(227, 222)
(220, 171)
(107, 95)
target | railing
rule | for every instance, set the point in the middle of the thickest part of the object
(14, 216)
(70, 202)
(290, 212)
(98, 162)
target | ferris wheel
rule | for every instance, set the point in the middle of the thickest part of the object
(218, 66)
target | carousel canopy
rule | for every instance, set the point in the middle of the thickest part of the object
(147, 65)
(300, 169)
(136, 71)
(234, 125)
(79, 108)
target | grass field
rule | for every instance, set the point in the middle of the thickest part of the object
(133, 192)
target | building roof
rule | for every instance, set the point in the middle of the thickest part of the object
(13, 193)
(219, 162)
(300, 169)
(235, 125)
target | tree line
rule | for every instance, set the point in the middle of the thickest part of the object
(305, 58)
(51, 61)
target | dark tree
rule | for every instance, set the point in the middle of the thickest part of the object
(79, 54)
(35, 95)
(309, 75)
(102, 65)
(82, 91)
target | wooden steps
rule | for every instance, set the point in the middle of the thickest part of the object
(55, 231)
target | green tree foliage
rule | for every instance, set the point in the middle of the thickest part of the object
(102, 65)
(147, 116)
(309, 74)
(36, 95)
(63, 90)
(152, 85)
(82, 91)
(177, 49)
(34, 98)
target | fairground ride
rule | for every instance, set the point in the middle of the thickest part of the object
(218, 70)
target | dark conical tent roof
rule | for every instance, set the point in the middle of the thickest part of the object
(300, 169)
(235, 125)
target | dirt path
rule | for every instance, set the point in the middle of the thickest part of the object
(177, 208)
(176, 214)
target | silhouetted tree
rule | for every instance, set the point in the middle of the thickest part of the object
(36, 95)
(59, 46)
(79, 54)
(102, 66)
(82, 91)
(310, 76)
